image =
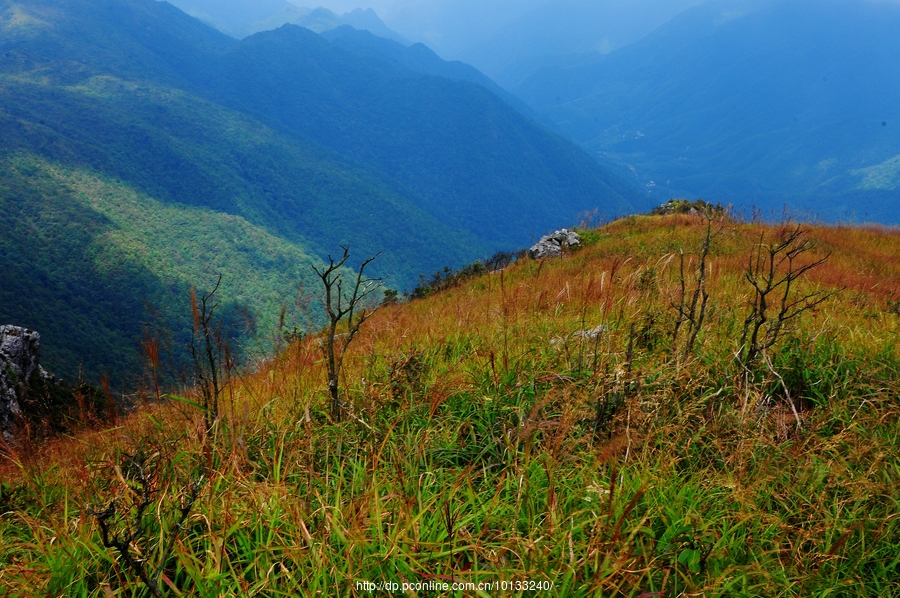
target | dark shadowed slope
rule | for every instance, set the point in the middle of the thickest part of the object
(466, 155)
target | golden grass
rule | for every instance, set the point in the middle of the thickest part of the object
(485, 464)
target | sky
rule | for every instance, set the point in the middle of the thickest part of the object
(447, 26)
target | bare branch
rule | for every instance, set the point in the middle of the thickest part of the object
(343, 307)
(772, 268)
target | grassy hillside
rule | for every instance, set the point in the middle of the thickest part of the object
(491, 441)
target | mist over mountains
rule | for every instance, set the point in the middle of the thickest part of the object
(240, 18)
(560, 31)
(750, 102)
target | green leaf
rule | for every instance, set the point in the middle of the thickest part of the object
(186, 401)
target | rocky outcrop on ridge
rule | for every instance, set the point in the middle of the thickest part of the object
(20, 353)
(552, 245)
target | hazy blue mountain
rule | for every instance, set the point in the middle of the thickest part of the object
(367, 20)
(231, 16)
(142, 152)
(451, 26)
(467, 156)
(555, 31)
(314, 19)
(240, 18)
(761, 102)
(321, 20)
(421, 59)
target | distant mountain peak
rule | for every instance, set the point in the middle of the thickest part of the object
(242, 18)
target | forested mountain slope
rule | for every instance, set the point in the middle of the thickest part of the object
(304, 143)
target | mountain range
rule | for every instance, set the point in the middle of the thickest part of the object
(144, 152)
(241, 18)
(559, 31)
(752, 102)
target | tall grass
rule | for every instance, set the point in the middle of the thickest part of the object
(514, 449)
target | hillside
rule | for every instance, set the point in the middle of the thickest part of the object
(462, 154)
(747, 102)
(158, 105)
(559, 423)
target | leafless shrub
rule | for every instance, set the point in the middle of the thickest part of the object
(134, 525)
(772, 270)
(347, 307)
(690, 309)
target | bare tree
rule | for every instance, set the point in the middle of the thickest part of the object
(345, 306)
(772, 270)
(135, 526)
(208, 349)
(691, 307)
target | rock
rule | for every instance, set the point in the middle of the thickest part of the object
(20, 351)
(552, 245)
(590, 335)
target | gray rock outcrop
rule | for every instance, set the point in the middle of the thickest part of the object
(552, 245)
(20, 351)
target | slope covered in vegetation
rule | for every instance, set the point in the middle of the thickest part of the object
(544, 423)
(309, 143)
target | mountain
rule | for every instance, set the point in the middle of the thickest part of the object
(421, 59)
(751, 102)
(268, 152)
(451, 26)
(321, 20)
(556, 31)
(231, 16)
(469, 158)
(368, 20)
(240, 18)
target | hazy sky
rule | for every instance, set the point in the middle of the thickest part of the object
(448, 26)
(455, 28)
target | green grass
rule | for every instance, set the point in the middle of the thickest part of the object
(479, 459)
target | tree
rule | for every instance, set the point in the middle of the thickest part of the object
(208, 348)
(347, 307)
(772, 271)
(691, 307)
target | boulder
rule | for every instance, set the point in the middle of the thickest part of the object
(20, 351)
(591, 334)
(552, 245)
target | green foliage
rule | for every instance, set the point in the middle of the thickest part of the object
(686, 206)
(448, 278)
(101, 260)
(143, 153)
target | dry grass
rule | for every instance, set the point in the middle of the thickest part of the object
(513, 450)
